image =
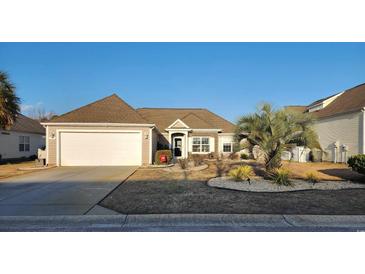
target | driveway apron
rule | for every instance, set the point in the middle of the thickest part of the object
(59, 191)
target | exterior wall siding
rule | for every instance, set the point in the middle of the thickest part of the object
(9, 144)
(52, 140)
(346, 130)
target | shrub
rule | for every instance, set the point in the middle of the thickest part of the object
(221, 167)
(281, 177)
(241, 173)
(198, 160)
(233, 156)
(244, 156)
(312, 177)
(183, 163)
(357, 163)
(166, 152)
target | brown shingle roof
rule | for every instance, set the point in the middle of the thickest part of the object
(193, 117)
(26, 124)
(296, 108)
(321, 100)
(351, 100)
(111, 109)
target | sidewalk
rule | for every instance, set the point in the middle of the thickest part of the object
(184, 222)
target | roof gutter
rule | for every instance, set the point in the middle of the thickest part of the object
(98, 124)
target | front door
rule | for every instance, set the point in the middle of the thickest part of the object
(177, 147)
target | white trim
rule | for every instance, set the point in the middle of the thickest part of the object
(99, 124)
(178, 129)
(226, 134)
(195, 129)
(178, 121)
(150, 157)
(207, 129)
(223, 143)
(47, 146)
(58, 134)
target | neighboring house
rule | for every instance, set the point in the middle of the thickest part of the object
(22, 140)
(340, 123)
(111, 132)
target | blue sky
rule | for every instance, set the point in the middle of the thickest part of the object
(227, 78)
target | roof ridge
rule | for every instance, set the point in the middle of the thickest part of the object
(191, 113)
(220, 117)
(87, 105)
(135, 110)
(171, 108)
(354, 87)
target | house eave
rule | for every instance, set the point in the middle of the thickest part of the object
(97, 124)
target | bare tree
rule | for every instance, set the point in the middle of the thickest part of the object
(39, 113)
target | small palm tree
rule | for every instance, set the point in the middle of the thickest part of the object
(272, 130)
(9, 102)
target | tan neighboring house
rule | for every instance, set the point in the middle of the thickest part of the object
(110, 132)
(22, 140)
(340, 123)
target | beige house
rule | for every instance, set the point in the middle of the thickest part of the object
(110, 132)
(22, 140)
(340, 123)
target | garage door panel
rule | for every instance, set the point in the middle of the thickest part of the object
(100, 148)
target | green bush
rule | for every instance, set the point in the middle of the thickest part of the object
(244, 156)
(357, 163)
(166, 152)
(281, 177)
(241, 173)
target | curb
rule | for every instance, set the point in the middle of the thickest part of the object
(174, 221)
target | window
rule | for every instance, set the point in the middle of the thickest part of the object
(24, 143)
(201, 144)
(227, 147)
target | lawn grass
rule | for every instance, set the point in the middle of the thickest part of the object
(156, 191)
(10, 170)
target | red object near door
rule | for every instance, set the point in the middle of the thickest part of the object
(163, 158)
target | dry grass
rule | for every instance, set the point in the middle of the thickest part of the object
(158, 174)
(324, 171)
(10, 170)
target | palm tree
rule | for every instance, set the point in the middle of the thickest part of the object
(272, 130)
(9, 102)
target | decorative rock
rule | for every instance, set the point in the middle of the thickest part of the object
(262, 185)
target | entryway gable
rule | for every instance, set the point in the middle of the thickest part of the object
(178, 124)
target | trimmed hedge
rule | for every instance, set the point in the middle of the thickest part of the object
(357, 163)
(166, 152)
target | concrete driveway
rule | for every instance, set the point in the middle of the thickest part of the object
(59, 191)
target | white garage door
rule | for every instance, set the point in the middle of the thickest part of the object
(100, 148)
